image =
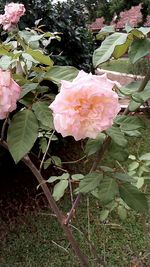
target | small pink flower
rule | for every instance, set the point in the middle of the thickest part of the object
(10, 18)
(9, 93)
(85, 107)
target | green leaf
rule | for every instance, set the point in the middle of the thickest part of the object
(129, 123)
(117, 136)
(28, 87)
(103, 215)
(130, 88)
(5, 62)
(64, 176)
(144, 30)
(43, 144)
(122, 212)
(40, 57)
(90, 182)
(58, 73)
(117, 152)
(59, 189)
(56, 160)
(133, 166)
(141, 97)
(93, 145)
(77, 177)
(47, 163)
(139, 49)
(134, 105)
(43, 114)
(105, 51)
(107, 190)
(145, 156)
(133, 133)
(22, 134)
(123, 177)
(120, 50)
(133, 197)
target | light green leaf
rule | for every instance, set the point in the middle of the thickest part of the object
(145, 156)
(93, 145)
(64, 176)
(133, 197)
(133, 166)
(105, 51)
(77, 177)
(59, 189)
(141, 97)
(56, 160)
(5, 62)
(103, 215)
(120, 50)
(140, 182)
(107, 190)
(134, 105)
(130, 88)
(134, 133)
(122, 212)
(22, 134)
(90, 182)
(117, 136)
(58, 73)
(43, 114)
(144, 30)
(139, 49)
(40, 57)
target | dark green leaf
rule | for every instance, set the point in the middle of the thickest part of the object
(22, 134)
(107, 190)
(139, 49)
(133, 197)
(90, 182)
(93, 145)
(43, 114)
(58, 73)
(117, 136)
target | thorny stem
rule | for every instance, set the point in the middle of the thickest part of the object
(99, 157)
(60, 217)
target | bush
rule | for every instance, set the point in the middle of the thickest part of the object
(69, 19)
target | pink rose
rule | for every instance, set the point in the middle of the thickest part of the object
(85, 107)
(13, 12)
(9, 93)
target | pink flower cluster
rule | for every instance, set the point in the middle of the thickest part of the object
(85, 107)
(133, 16)
(9, 93)
(10, 18)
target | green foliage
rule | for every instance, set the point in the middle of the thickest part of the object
(133, 197)
(117, 44)
(22, 134)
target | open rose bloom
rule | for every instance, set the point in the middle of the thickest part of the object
(9, 93)
(85, 107)
(10, 18)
